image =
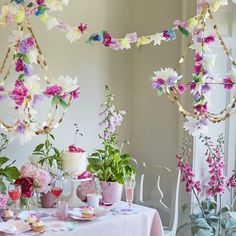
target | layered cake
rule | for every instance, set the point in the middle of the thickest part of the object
(74, 161)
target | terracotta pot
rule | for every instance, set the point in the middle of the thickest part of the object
(111, 191)
(47, 200)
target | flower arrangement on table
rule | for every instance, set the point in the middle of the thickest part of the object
(109, 164)
(211, 218)
(32, 180)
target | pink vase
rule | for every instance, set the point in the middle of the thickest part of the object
(111, 191)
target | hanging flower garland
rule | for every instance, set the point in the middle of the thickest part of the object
(18, 11)
(204, 77)
(27, 91)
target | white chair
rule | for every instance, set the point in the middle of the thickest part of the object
(156, 195)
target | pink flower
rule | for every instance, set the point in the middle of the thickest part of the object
(198, 57)
(228, 83)
(182, 88)
(19, 93)
(82, 27)
(107, 40)
(3, 201)
(197, 69)
(188, 176)
(132, 37)
(217, 180)
(232, 181)
(76, 93)
(180, 23)
(201, 108)
(28, 170)
(209, 39)
(115, 45)
(54, 90)
(73, 148)
(43, 179)
(19, 65)
(85, 175)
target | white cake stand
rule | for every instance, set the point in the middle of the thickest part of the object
(74, 201)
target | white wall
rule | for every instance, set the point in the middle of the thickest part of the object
(94, 66)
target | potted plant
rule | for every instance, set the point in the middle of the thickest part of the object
(8, 172)
(109, 164)
(48, 158)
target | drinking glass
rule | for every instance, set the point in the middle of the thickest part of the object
(57, 188)
(129, 190)
(14, 192)
(62, 210)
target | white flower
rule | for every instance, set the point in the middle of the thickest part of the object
(166, 74)
(54, 5)
(156, 38)
(196, 126)
(15, 36)
(51, 22)
(67, 83)
(215, 4)
(33, 56)
(73, 35)
(65, 2)
(33, 84)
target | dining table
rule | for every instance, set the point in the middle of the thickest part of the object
(120, 220)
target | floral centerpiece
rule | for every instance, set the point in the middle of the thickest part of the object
(32, 180)
(109, 164)
(210, 217)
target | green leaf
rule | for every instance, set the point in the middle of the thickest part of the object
(21, 77)
(63, 103)
(11, 173)
(52, 136)
(17, 55)
(30, 4)
(184, 31)
(3, 160)
(39, 147)
(3, 187)
(55, 100)
(160, 91)
(25, 59)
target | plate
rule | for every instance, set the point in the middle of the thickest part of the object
(24, 215)
(81, 218)
(14, 227)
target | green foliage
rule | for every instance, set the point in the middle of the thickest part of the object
(213, 220)
(183, 31)
(7, 171)
(47, 153)
(109, 164)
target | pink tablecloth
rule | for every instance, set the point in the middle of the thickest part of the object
(146, 222)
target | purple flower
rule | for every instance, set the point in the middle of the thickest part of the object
(76, 93)
(169, 34)
(197, 96)
(2, 97)
(171, 81)
(37, 99)
(228, 83)
(205, 88)
(203, 122)
(26, 45)
(28, 70)
(19, 65)
(54, 90)
(158, 83)
(20, 129)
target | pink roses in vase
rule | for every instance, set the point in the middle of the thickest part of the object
(33, 179)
